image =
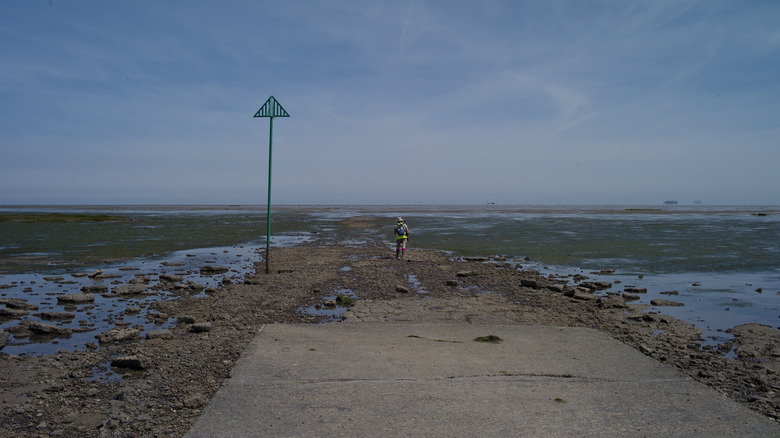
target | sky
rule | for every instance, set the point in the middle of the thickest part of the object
(390, 102)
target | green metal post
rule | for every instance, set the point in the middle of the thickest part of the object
(271, 108)
(268, 215)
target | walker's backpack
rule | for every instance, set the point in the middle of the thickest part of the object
(400, 230)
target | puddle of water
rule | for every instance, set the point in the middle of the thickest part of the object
(330, 313)
(416, 284)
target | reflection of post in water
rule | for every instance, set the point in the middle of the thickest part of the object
(271, 108)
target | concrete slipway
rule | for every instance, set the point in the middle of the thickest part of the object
(410, 379)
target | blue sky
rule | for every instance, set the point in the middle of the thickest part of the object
(434, 102)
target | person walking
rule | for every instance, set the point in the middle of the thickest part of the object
(401, 236)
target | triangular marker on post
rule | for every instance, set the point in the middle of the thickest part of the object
(271, 108)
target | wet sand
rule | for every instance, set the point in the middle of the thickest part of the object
(159, 386)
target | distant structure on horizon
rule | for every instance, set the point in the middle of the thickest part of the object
(670, 202)
(696, 202)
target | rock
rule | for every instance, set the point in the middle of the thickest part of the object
(596, 285)
(54, 279)
(670, 292)
(399, 288)
(129, 289)
(605, 272)
(51, 316)
(756, 340)
(3, 338)
(170, 278)
(18, 303)
(186, 319)
(98, 289)
(160, 334)
(118, 334)
(133, 310)
(476, 259)
(76, 298)
(5, 312)
(630, 297)
(533, 284)
(612, 302)
(584, 296)
(645, 349)
(201, 327)
(635, 290)
(196, 287)
(40, 328)
(195, 400)
(660, 302)
(95, 273)
(466, 274)
(451, 282)
(556, 288)
(133, 362)
(141, 279)
(211, 270)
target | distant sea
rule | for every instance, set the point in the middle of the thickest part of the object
(723, 261)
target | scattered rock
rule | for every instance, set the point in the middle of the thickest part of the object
(630, 297)
(533, 284)
(3, 338)
(612, 302)
(118, 334)
(159, 334)
(54, 279)
(211, 270)
(171, 278)
(186, 319)
(670, 292)
(12, 313)
(96, 289)
(466, 273)
(596, 285)
(200, 327)
(133, 362)
(40, 328)
(669, 303)
(54, 316)
(195, 400)
(635, 290)
(18, 303)
(402, 289)
(76, 298)
(95, 273)
(476, 259)
(646, 350)
(129, 289)
(584, 296)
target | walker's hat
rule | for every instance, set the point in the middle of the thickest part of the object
(400, 219)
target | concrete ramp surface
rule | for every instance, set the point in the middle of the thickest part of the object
(409, 379)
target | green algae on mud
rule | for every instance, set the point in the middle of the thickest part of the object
(59, 217)
(32, 241)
